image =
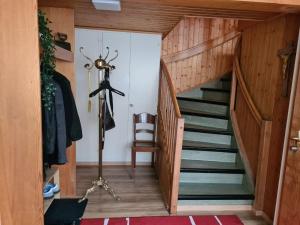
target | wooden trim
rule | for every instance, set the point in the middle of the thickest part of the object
(124, 163)
(233, 90)
(200, 48)
(176, 166)
(264, 216)
(63, 54)
(241, 146)
(294, 88)
(171, 87)
(263, 158)
(211, 208)
(244, 89)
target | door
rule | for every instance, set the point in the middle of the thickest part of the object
(288, 204)
(136, 74)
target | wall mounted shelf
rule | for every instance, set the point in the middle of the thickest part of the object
(63, 54)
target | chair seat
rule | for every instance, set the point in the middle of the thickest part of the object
(145, 146)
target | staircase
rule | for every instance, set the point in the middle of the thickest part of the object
(212, 172)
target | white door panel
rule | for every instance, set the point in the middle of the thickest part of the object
(136, 74)
(116, 141)
(144, 79)
(87, 147)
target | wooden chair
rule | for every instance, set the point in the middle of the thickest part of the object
(143, 145)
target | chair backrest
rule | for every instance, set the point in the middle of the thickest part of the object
(144, 118)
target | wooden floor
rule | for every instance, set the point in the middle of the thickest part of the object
(139, 196)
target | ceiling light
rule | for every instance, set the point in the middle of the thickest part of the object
(113, 5)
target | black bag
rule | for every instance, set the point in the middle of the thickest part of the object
(108, 121)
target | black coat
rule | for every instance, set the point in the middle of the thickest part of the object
(73, 125)
(61, 125)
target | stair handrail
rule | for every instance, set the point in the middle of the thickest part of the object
(238, 73)
(171, 87)
(200, 48)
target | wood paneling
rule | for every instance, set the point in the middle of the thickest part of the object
(63, 21)
(170, 133)
(162, 15)
(262, 73)
(21, 177)
(198, 50)
(252, 132)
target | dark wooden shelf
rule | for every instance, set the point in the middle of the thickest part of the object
(63, 54)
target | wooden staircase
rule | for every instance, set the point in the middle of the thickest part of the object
(212, 172)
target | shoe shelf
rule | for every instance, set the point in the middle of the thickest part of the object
(51, 175)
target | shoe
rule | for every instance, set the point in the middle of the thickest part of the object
(48, 192)
(54, 187)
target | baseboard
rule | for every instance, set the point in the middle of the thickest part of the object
(211, 208)
(264, 216)
(95, 164)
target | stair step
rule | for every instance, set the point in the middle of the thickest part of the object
(204, 146)
(208, 101)
(212, 178)
(209, 156)
(206, 122)
(209, 130)
(215, 89)
(198, 166)
(226, 79)
(208, 191)
(193, 112)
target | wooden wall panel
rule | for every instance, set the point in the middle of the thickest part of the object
(63, 21)
(262, 71)
(21, 178)
(249, 130)
(260, 64)
(198, 50)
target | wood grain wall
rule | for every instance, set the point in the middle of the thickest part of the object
(21, 176)
(63, 21)
(181, 50)
(262, 71)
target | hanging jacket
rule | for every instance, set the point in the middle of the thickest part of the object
(73, 125)
(54, 126)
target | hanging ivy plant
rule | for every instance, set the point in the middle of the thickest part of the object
(47, 61)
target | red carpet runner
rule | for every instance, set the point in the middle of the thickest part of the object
(167, 220)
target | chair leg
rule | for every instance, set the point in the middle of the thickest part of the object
(133, 163)
(152, 160)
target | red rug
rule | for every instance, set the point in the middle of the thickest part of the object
(166, 220)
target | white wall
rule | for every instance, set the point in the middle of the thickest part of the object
(136, 74)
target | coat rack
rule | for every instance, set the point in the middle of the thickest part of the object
(103, 84)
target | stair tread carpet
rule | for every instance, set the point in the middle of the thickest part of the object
(206, 191)
(203, 146)
(204, 129)
(200, 166)
(195, 112)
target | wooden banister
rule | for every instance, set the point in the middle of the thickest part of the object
(170, 137)
(171, 87)
(252, 131)
(242, 84)
(205, 46)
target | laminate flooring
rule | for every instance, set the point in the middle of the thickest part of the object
(139, 197)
